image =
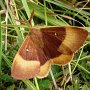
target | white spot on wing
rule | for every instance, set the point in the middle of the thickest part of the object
(55, 34)
(27, 49)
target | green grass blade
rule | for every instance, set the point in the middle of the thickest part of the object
(0, 43)
(26, 7)
(50, 19)
(8, 62)
(30, 85)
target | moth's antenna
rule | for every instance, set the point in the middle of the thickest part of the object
(31, 18)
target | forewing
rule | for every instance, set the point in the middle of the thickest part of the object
(52, 39)
(60, 43)
(74, 39)
(26, 64)
(65, 40)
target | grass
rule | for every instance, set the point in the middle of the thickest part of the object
(49, 13)
(0, 44)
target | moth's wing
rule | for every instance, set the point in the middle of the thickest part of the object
(44, 64)
(74, 39)
(64, 39)
(25, 64)
(61, 42)
(62, 59)
(43, 59)
(52, 39)
(44, 69)
(36, 36)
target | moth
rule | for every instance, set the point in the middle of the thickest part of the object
(43, 47)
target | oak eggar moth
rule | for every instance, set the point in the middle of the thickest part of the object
(45, 46)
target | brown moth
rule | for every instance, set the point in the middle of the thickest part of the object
(45, 46)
